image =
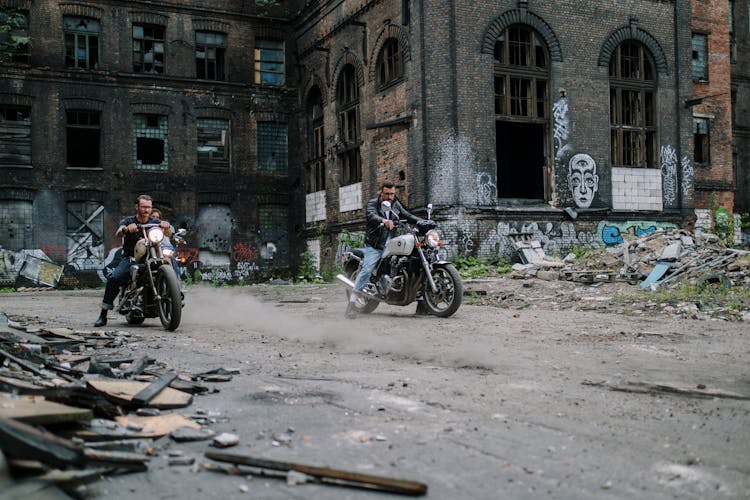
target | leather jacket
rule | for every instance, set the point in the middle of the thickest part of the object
(376, 234)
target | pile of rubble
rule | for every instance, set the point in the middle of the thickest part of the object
(660, 258)
(72, 410)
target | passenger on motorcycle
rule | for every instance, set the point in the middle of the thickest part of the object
(128, 231)
(380, 226)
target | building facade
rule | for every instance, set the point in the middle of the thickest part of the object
(188, 102)
(264, 127)
(566, 121)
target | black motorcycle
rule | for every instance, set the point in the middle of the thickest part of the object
(153, 289)
(410, 269)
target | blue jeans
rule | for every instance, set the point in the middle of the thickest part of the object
(119, 277)
(370, 262)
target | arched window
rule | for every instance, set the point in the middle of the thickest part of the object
(347, 102)
(632, 106)
(316, 173)
(522, 109)
(390, 63)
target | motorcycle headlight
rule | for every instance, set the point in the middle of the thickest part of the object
(433, 238)
(168, 252)
(155, 235)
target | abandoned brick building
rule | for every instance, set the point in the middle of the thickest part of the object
(264, 127)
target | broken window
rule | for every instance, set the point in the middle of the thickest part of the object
(521, 97)
(85, 234)
(700, 57)
(83, 138)
(272, 147)
(148, 48)
(210, 54)
(269, 62)
(81, 42)
(701, 141)
(150, 138)
(316, 175)
(632, 106)
(390, 63)
(213, 143)
(15, 136)
(347, 101)
(14, 35)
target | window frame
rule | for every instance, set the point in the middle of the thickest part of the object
(315, 175)
(266, 148)
(350, 137)
(699, 56)
(390, 65)
(269, 62)
(632, 107)
(153, 40)
(15, 42)
(219, 70)
(162, 134)
(702, 141)
(72, 144)
(92, 51)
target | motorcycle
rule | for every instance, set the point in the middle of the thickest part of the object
(410, 269)
(153, 289)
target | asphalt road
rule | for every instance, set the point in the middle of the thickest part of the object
(490, 403)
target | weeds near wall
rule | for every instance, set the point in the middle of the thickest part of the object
(474, 267)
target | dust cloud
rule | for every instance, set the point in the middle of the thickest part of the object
(408, 337)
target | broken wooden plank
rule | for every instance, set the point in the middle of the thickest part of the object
(122, 392)
(700, 390)
(157, 426)
(19, 440)
(327, 475)
(37, 410)
(153, 389)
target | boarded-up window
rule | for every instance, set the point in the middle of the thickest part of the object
(269, 62)
(701, 141)
(272, 147)
(700, 57)
(15, 226)
(213, 143)
(150, 142)
(210, 54)
(148, 48)
(81, 42)
(15, 136)
(83, 138)
(85, 234)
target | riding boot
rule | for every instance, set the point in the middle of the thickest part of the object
(102, 320)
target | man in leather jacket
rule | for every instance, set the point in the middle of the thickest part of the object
(129, 232)
(379, 228)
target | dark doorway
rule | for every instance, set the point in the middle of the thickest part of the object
(520, 160)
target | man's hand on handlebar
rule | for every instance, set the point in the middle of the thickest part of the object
(389, 223)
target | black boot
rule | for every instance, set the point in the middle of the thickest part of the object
(102, 321)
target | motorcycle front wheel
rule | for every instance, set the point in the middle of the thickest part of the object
(450, 290)
(363, 306)
(170, 305)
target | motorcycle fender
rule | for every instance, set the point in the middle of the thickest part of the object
(441, 262)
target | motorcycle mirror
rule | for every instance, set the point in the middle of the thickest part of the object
(181, 231)
(386, 206)
(429, 210)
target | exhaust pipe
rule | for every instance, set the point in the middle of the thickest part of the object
(345, 280)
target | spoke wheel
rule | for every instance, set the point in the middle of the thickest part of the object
(363, 305)
(170, 305)
(450, 290)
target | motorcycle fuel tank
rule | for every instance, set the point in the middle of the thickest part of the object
(400, 245)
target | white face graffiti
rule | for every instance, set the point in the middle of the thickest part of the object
(583, 181)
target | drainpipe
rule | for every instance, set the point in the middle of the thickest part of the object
(678, 99)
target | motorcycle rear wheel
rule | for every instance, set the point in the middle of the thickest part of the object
(170, 305)
(362, 305)
(450, 290)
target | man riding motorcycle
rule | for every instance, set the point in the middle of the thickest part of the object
(380, 225)
(128, 231)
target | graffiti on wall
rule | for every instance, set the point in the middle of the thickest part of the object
(614, 233)
(561, 130)
(485, 189)
(668, 159)
(582, 179)
(687, 174)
